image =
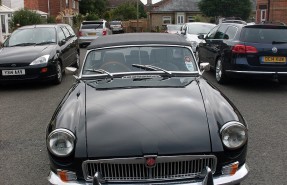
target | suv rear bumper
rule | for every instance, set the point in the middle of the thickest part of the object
(256, 74)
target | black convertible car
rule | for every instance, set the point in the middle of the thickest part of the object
(140, 112)
(38, 52)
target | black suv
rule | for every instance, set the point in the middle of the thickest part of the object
(236, 49)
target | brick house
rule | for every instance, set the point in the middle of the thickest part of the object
(171, 12)
(51, 7)
(271, 11)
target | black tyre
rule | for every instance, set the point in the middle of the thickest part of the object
(59, 74)
(220, 75)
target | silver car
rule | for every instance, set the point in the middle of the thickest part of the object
(91, 30)
(190, 32)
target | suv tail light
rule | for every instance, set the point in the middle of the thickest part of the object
(240, 48)
(104, 32)
(80, 34)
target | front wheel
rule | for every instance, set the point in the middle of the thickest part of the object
(220, 72)
(59, 74)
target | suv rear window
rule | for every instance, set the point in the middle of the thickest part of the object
(92, 25)
(115, 23)
(264, 34)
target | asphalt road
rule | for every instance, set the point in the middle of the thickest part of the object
(25, 111)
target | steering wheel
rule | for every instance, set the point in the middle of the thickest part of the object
(115, 65)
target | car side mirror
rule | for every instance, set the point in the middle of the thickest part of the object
(204, 67)
(201, 36)
(62, 42)
(183, 31)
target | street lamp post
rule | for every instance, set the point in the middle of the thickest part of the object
(1, 35)
(137, 15)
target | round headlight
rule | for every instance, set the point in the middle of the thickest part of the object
(233, 135)
(61, 142)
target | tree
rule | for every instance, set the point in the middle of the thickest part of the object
(98, 7)
(24, 17)
(125, 11)
(226, 8)
(128, 11)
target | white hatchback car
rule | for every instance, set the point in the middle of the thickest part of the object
(191, 30)
(91, 30)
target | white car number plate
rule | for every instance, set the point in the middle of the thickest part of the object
(13, 72)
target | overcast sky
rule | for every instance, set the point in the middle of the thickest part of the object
(153, 1)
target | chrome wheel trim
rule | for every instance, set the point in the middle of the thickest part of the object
(218, 71)
(78, 60)
(197, 56)
(59, 72)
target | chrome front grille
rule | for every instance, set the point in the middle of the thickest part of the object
(135, 170)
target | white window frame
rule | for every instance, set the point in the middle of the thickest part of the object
(74, 4)
(166, 18)
(263, 12)
(180, 18)
(190, 19)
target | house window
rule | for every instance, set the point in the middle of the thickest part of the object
(3, 23)
(74, 4)
(262, 15)
(166, 19)
(180, 18)
(67, 3)
(190, 19)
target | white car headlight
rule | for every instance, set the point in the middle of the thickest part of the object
(233, 135)
(61, 142)
(41, 60)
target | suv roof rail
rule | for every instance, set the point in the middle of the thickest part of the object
(234, 21)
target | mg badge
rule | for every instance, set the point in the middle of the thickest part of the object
(150, 162)
(13, 65)
(274, 50)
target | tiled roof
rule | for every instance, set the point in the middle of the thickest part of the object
(176, 5)
(116, 3)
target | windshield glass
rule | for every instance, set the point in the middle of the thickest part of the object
(131, 59)
(92, 26)
(32, 36)
(199, 28)
(264, 35)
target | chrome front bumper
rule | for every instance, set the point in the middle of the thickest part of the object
(239, 176)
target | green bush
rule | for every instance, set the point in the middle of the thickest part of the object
(51, 19)
(92, 17)
(25, 17)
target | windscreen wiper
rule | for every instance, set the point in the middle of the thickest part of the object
(23, 44)
(278, 42)
(154, 68)
(46, 42)
(100, 71)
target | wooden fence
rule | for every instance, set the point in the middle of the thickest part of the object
(133, 25)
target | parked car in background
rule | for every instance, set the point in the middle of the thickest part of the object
(140, 112)
(117, 26)
(190, 32)
(173, 28)
(240, 50)
(90, 30)
(39, 52)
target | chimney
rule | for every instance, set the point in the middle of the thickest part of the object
(149, 2)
